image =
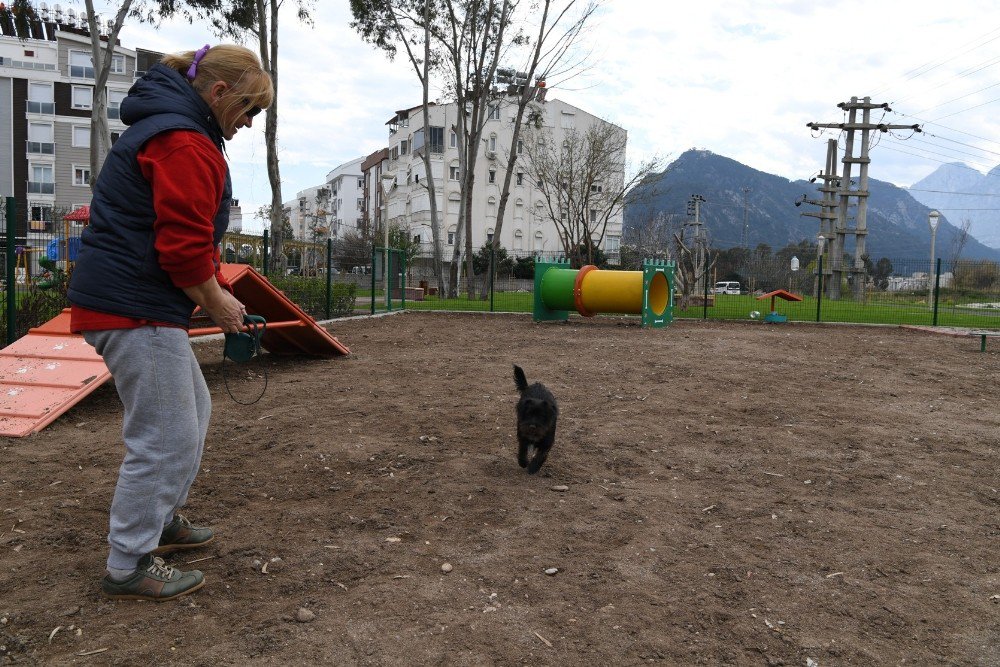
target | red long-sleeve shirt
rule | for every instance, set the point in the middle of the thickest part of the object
(187, 174)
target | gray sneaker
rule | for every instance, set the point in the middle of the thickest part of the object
(153, 580)
(180, 534)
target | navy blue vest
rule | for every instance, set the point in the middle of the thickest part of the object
(118, 270)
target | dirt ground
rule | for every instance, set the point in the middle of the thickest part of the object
(719, 493)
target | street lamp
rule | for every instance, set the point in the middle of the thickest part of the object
(932, 221)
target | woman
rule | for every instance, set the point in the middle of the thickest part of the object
(148, 257)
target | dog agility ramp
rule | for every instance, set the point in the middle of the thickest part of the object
(50, 370)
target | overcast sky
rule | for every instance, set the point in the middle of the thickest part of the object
(738, 78)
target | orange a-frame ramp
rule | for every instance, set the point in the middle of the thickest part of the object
(48, 371)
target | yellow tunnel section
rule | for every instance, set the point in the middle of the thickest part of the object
(599, 291)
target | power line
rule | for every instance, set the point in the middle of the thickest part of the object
(931, 65)
(938, 106)
(997, 99)
(946, 192)
(978, 67)
(950, 129)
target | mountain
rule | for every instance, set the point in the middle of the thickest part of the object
(965, 194)
(897, 223)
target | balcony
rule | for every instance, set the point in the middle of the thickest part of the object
(47, 108)
(41, 188)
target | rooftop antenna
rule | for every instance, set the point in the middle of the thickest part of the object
(59, 14)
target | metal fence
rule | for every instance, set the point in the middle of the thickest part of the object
(327, 279)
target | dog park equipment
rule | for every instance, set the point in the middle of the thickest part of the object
(775, 316)
(51, 369)
(590, 290)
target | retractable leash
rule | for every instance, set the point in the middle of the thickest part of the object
(241, 347)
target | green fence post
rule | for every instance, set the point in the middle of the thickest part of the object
(819, 286)
(267, 248)
(493, 273)
(402, 279)
(329, 275)
(937, 289)
(374, 250)
(704, 303)
(11, 205)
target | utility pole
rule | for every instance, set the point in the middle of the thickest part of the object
(694, 209)
(827, 216)
(860, 230)
(746, 225)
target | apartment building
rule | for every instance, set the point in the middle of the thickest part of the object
(46, 98)
(328, 210)
(372, 168)
(528, 226)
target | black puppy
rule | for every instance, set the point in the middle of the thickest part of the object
(536, 422)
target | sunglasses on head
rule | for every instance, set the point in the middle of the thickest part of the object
(251, 110)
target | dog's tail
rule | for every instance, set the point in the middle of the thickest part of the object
(519, 379)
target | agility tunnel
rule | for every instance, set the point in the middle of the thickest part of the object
(590, 290)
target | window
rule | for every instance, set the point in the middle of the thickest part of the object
(489, 237)
(453, 139)
(41, 182)
(40, 139)
(115, 98)
(494, 112)
(493, 142)
(81, 136)
(361, 182)
(453, 173)
(416, 238)
(520, 146)
(613, 244)
(593, 216)
(114, 137)
(81, 176)
(493, 175)
(539, 183)
(568, 120)
(81, 65)
(83, 97)
(402, 146)
(395, 153)
(41, 217)
(436, 139)
(451, 238)
(117, 64)
(40, 98)
(361, 204)
(596, 188)
(520, 178)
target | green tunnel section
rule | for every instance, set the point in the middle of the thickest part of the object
(588, 291)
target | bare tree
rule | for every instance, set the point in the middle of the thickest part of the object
(102, 58)
(957, 245)
(582, 181)
(557, 34)
(650, 237)
(688, 272)
(409, 22)
(258, 19)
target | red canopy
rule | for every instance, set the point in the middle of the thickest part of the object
(81, 214)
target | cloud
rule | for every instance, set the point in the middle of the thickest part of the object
(737, 78)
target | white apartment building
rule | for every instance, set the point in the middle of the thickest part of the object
(527, 227)
(328, 210)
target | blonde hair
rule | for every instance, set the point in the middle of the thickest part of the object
(237, 65)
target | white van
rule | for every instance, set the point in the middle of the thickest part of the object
(726, 287)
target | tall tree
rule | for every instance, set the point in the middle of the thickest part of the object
(407, 22)
(258, 20)
(549, 61)
(102, 58)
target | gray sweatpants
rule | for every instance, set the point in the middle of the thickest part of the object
(167, 409)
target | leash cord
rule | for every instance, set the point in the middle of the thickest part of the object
(255, 353)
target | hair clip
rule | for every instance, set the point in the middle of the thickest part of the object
(199, 54)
